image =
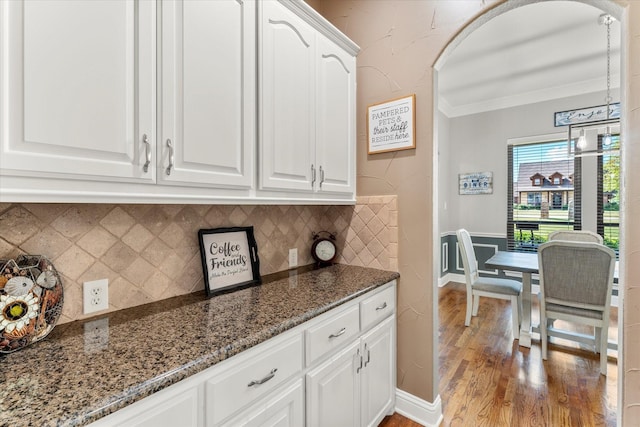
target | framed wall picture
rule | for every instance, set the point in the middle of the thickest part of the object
(391, 125)
(587, 115)
(229, 259)
(475, 183)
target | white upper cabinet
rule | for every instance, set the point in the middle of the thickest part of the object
(208, 93)
(307, 105)
(336, 121)
(174, 101)
(77, 89)
(287, 59)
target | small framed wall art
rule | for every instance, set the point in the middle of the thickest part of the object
(229, 259)
(475, 183)
(391, 125)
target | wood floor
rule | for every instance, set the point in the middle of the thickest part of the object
(486, 379)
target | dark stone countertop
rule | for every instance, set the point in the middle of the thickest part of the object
(72, 378)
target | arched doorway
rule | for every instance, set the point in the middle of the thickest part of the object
(501, 9)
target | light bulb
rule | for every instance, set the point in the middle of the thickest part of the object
(582, 140)
(606, 138)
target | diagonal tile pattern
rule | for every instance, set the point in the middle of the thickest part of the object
(151, 252)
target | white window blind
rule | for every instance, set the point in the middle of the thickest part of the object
(543, 193)
(609, 192)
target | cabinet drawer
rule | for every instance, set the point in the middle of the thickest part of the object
(261, 371)
(332, 333)
(377, 307)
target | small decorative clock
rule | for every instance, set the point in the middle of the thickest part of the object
(324, 249)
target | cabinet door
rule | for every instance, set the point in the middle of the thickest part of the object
(333, 390)
(336, 121)
(77, 93)
(283, 409)
(378, 374)
(287, 105)
(208, 93)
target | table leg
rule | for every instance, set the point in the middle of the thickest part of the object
(525, 327)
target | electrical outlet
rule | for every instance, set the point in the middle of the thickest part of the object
(96, 295)
(293, 257)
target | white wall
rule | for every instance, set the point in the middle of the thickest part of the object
(478, 143)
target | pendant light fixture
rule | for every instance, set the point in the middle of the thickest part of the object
(581, 142)
(606, 19)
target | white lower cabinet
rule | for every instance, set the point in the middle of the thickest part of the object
(333, 390)
(356, 387)
(378, 373)
(330, 371)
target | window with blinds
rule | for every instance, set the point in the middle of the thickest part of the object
(608, 200)
(543, 193)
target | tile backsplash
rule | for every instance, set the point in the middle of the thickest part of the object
(151, 252)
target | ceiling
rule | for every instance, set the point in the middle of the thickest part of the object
(533, 53)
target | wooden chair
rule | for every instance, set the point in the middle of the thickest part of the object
(491, 287)
(575, 236)
(575, 285)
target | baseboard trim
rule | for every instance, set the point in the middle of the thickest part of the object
(451, 277)
(418, 410)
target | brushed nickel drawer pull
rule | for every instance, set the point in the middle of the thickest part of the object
(382, 307)
(265, 379)
(368, 355)
(342, 331)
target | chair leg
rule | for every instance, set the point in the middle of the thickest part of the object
(543, 334)
(515, 316)
(598, 337)
(603, 349)
(476, 304)
(467, 319)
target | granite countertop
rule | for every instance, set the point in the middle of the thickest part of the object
(72, 378)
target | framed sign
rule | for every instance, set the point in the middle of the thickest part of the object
(475, 183)
(229, 259)
(391, 125)
(587, 115)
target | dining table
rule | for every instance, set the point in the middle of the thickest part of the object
(526, 263)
